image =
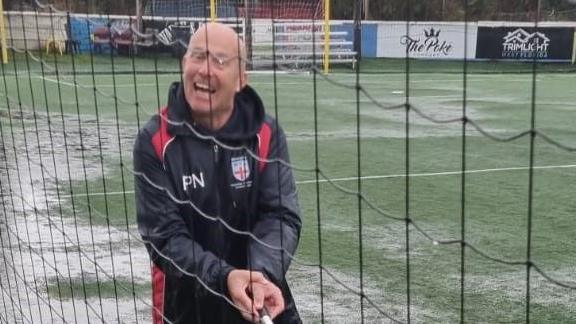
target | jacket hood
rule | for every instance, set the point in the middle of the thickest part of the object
(245, 121)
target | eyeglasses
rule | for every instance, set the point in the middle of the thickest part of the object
(219, 62)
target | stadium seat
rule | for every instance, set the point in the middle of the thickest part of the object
(101, 36)
(123, 41)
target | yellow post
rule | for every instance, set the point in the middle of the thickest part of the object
(213, 10)
(3, 35)
(326, 36)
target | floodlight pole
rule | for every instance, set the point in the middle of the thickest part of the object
(326, 36)
(366, 9)
(3, 34)
(138, 24)
(358, 29)
(138, 15)
(248, 33)
(212, 10)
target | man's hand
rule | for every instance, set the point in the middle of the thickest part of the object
(251, 292)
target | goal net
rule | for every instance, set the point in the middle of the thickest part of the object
(290, 9)
(286, 34)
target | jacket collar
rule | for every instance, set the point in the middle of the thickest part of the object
(245, 121)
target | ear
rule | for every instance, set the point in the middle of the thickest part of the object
(183, 62)
(243, 81)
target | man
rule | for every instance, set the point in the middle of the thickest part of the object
(190, 190)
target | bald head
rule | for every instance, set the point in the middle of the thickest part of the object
(213, 35)
(213, 72)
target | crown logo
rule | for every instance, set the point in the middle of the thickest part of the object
(431, 33)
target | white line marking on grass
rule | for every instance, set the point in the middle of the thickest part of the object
(148, 84)
(131, 85)
(271, 72)
(431, 174)
(449, 78)
(57, 81)
(81, 86)
(428, 174)
(266, 83)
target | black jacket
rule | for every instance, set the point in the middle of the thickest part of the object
(191, 176)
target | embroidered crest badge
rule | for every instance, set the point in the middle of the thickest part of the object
(240, 168)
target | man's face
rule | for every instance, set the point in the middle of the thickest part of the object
(211, 72)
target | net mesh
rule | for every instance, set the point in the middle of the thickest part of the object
(431, 191)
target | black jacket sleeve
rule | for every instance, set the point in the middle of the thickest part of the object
(162, 227)
(278, 220)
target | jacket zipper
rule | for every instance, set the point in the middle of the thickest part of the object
(216, 150)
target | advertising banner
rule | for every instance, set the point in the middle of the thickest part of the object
(525, 43)
(426, 40)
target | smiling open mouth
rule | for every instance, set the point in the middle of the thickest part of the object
(203, 87)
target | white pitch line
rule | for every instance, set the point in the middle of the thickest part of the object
(147, 84)
(430, 174)
(131, 85)
(264, 83)
(57, 81)
(79, 85)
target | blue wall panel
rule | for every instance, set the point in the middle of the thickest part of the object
(82, 31)
(369, 39)
(369, 36)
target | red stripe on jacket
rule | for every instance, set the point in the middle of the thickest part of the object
(159, 141)
(161, 137)
(264, 133)
(158, 289)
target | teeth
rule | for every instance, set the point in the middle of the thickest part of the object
(203, 86)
